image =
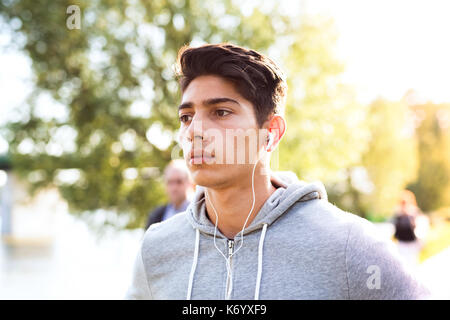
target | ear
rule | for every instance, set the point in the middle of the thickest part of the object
(276, 126)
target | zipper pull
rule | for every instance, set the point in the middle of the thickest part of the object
(230, 247)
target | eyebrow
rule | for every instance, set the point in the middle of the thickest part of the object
(208, 102)
(185, 105)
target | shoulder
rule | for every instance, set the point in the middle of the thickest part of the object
(155, 215)
(326, 218)
(318, 223)
(374, 268)
(168, 228)
(159, 209)
(160, 234)
(361, 235)
(167, 242)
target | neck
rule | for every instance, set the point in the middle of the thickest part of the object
(234, 203)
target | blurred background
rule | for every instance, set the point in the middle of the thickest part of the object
(88, 122)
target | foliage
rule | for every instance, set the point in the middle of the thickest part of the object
(437, 240)
(432, 187)
(119, 61)
(326, 131)
(392, 159)
(110, 100)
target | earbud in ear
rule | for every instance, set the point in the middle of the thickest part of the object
(269, 140)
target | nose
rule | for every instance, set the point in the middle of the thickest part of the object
(191, 137)
(195, 131)
(197, 127)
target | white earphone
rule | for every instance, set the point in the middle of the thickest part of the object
(270, 140)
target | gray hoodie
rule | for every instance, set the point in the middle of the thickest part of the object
(299, 246)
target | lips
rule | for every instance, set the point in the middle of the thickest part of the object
(200, 158)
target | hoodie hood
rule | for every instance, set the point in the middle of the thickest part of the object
(289, 191)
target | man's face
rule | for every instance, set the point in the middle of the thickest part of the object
(177, 185)
(219, 132)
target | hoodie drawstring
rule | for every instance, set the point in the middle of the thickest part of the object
(260, 257)
(194, 263)
(260, 260)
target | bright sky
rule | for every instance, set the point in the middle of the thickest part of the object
(392, 46)
(388, 47)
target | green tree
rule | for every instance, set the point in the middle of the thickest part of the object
(119, 61)
(392, 158)
(432, 187)
(326, 131)
(372, 188)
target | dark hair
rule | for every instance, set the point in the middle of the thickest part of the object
(257, 78)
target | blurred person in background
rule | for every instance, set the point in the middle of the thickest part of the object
(178, 187)
(411, 227)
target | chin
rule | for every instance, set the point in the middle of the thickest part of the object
(209, 175)
(203, 175)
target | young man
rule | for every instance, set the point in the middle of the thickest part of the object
(250, 233)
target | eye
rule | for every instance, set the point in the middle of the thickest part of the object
(222, 112)
(185, 118)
